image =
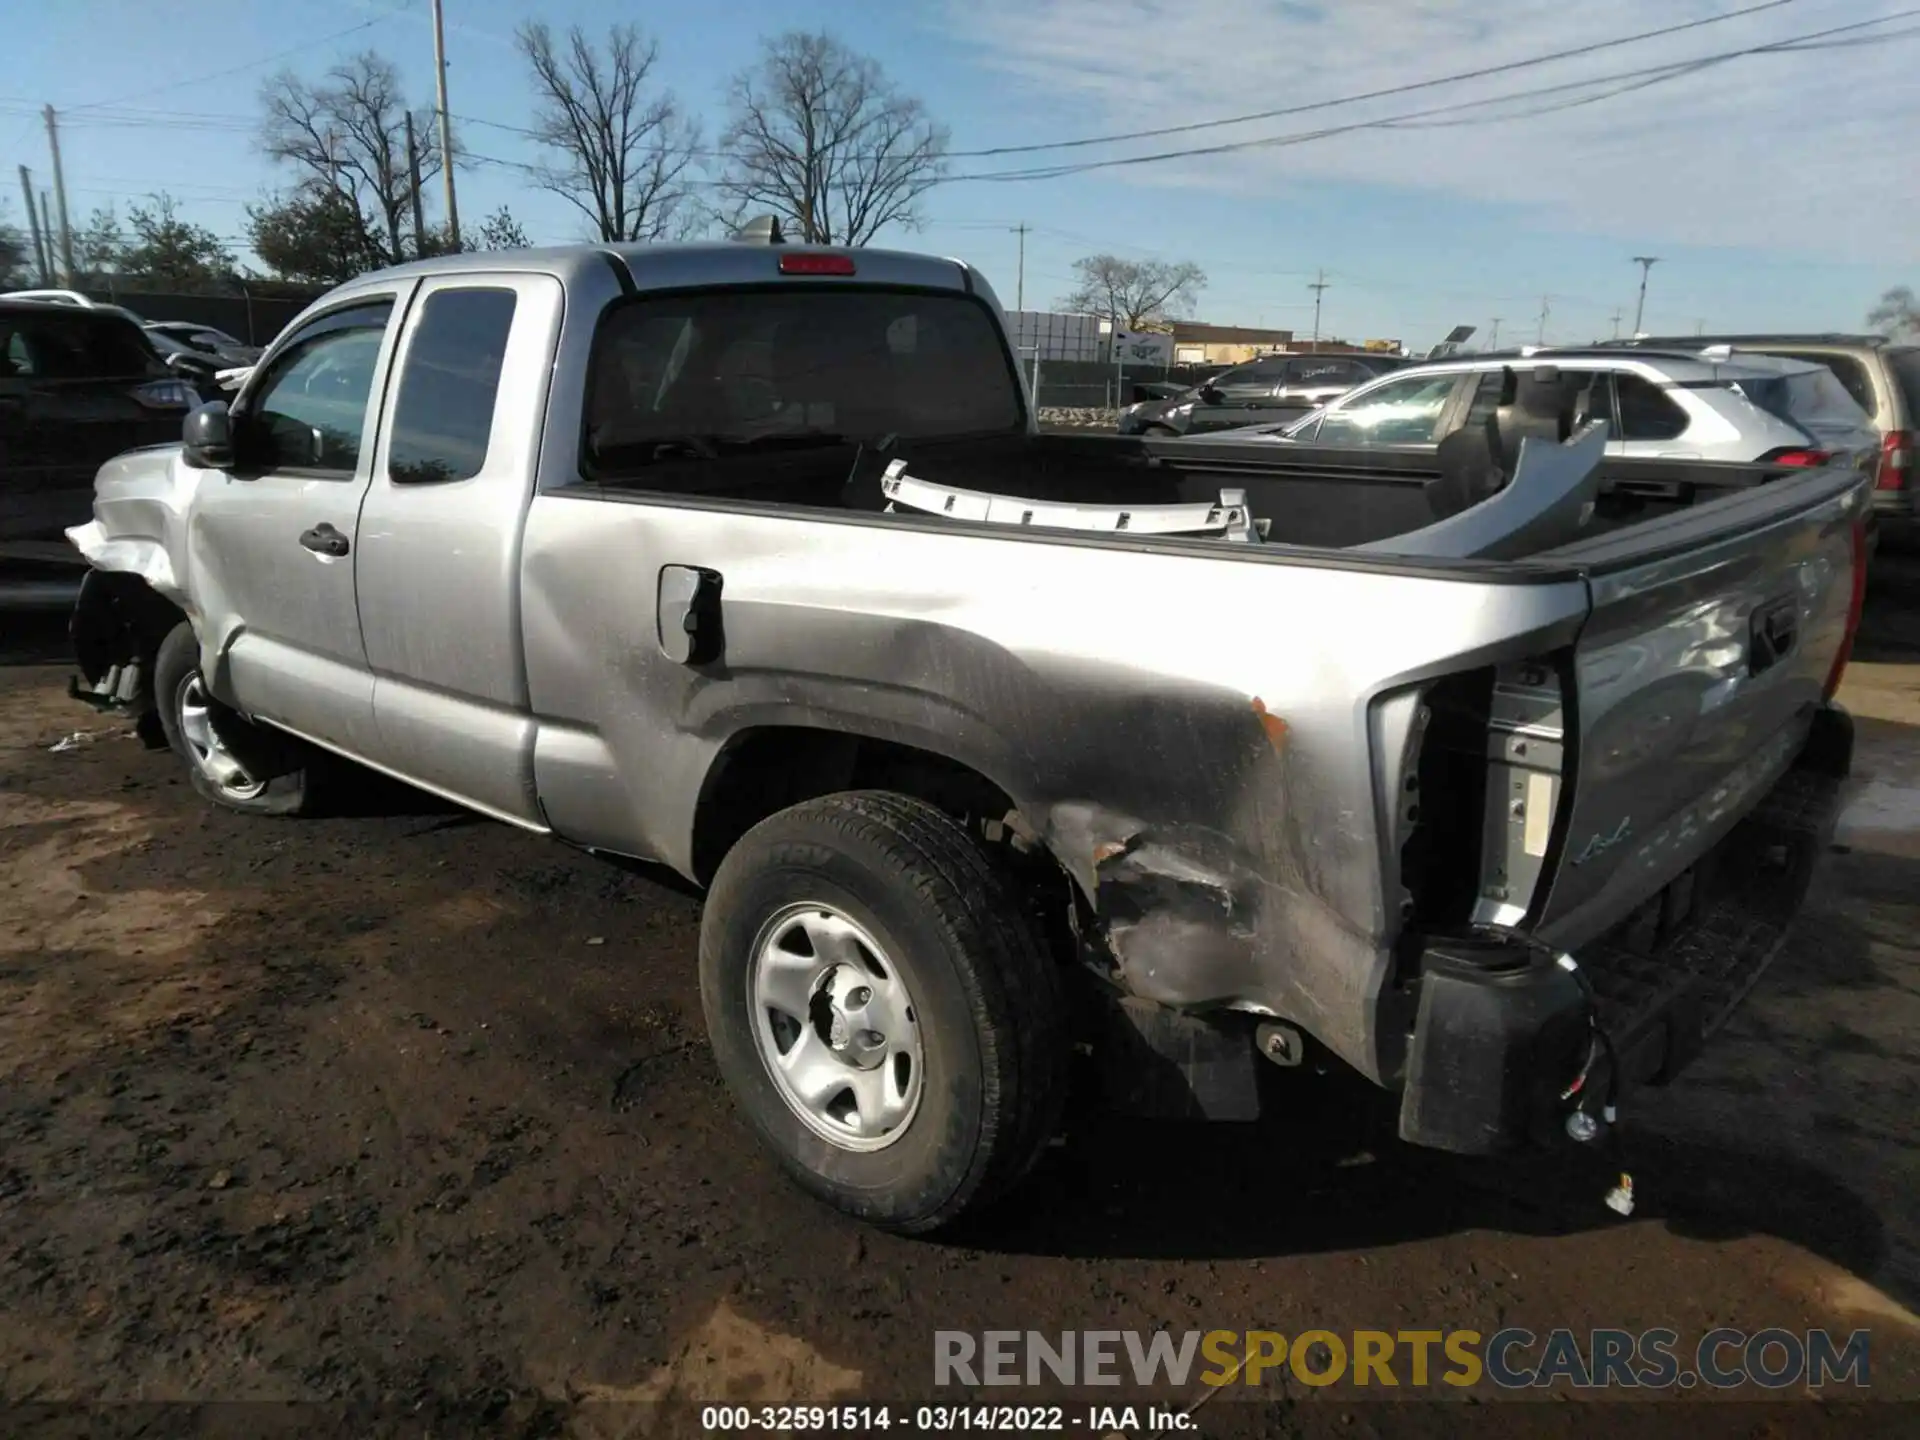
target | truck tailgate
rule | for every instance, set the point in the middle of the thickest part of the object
(1712, 640)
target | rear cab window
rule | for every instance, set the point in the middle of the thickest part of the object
(449, 382)
(719, 373)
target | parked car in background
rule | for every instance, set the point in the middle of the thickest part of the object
(197, 367)
(76, 300)
(1883, 378)
(1270, 387)
(1706, 405)
(78, 385)
(204, 338)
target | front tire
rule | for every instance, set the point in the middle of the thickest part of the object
(231, 761)
(882, 1008)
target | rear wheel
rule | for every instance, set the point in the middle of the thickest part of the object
(231, 761)
(883, 1011)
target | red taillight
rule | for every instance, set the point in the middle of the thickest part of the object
(806, 264)
(1854, 607)
(1896, 458)
(1803, 459)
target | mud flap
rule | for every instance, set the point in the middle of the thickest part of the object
(1157, 1063)
(1501, 1032)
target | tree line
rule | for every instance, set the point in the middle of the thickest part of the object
(814, 132)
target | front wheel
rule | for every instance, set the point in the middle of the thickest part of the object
(883, 1010)
(231, 761)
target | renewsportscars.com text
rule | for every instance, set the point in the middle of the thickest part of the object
(1511, 1358)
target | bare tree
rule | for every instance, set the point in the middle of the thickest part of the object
(1897, 314)
(625, 152)
(1134, 292)
(817, 135)
(348, 133)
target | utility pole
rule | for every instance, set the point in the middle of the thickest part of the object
(446, 130)
(1319, 284)
(1546, 309)
(1699, 327)
(1616, 324)
(1020, 284)
(33, 225)
(1493, 340)
(413, 172)
(60, 196)
(1646, 264)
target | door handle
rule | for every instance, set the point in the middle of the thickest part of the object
(323, 539)
(687, 614)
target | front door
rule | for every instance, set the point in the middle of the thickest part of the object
(272, 540)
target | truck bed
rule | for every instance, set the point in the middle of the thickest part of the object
(1323, 497)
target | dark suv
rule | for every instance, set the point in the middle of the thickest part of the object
(1271, 388)
(1882, 376)
(77, 387)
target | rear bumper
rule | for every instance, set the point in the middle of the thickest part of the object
(1496, 1047)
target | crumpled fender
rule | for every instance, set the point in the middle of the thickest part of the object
(139, 520)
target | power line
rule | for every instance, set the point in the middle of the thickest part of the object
(1667, 71)
(300, 49)
(1381, 94)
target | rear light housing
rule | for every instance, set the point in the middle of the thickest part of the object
(1799, 459)
(166, 395)
(806, 263)
(1855, 606)
(1896, 460)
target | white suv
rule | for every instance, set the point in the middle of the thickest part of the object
(1705, 405)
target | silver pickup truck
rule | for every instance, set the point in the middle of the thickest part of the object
(992, 747)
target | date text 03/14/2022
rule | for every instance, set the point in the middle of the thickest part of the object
(938, 1419)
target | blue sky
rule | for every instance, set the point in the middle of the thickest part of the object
(1779, 191)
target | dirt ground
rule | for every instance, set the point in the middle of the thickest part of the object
(409, 1109)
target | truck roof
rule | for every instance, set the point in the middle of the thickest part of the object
(718, 263)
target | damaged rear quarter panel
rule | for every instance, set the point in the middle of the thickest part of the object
(1232, 851)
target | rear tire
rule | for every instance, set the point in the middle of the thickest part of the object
(232, 762)
(895, 935)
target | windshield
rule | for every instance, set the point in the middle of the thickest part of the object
(723, 369)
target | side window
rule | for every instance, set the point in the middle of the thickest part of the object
(449, 381)
(1594, 402)
(1312, 370)
(16, 358)
(310, 411)
(1399, 412)
(1645, 412)
(1239, 375)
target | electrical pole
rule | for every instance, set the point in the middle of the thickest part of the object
(1493, 340)
(60, 196)
(1020, 284)
(1646, 264)
(446, 130)
(40, 259)
(1546, 309)
(1319, 284)
(1699, 327)
(1616, 324)
(413, 172)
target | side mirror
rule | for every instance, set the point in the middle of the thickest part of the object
(1212, 394)
(207, 437)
